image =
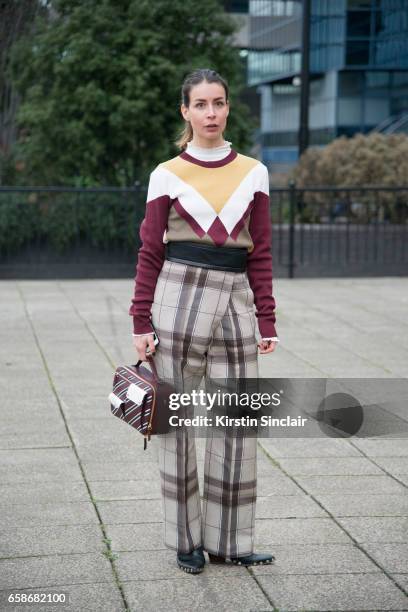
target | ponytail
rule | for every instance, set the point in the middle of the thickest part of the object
(185, 136)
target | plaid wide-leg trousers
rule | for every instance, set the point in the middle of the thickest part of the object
(206, 325)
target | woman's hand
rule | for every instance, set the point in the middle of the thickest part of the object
(267, 346)
(141, 343)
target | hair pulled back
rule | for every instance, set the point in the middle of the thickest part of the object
(195, 78)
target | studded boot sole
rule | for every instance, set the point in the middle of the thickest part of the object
(246, 562)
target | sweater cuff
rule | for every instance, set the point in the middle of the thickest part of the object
(266, 328)
(141, 325)
(148, 333)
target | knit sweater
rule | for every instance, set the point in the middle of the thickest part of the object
(210, 196)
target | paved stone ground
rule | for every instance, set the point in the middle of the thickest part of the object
(80, 500)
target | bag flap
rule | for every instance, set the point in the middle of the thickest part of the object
(136, 394)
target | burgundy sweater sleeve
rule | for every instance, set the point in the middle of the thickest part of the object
(259, 268)
(151, 254)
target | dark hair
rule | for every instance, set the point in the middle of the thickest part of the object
(195, 78)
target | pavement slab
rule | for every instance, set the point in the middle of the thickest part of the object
(80, 500)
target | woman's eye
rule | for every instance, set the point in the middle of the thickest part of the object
(201, 104)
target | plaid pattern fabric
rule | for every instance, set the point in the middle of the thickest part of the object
(206, 324)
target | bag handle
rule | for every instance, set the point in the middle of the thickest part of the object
(152, 366)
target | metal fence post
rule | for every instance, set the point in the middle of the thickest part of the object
(291, 243)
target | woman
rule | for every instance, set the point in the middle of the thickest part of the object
(205, 260)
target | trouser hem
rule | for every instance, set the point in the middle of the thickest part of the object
(182, 552)
(215, 552)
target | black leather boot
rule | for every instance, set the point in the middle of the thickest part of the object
(192, 563)
(247, 560)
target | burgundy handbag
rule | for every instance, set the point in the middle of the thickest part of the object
(140, 398)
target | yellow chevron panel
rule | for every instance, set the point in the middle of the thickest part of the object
(216, 185)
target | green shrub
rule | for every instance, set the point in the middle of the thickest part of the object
(64, 219)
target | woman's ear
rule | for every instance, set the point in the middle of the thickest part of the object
(184, 112)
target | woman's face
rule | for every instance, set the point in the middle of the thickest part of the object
(207, 113)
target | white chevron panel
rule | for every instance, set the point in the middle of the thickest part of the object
(238, 202)
(191, 200)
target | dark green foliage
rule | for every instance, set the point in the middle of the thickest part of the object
(100, 86)
(104, 220)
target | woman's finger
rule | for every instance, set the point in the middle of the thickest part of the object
(142, 352)
(266, 346)
(140, 347)
(151, 345)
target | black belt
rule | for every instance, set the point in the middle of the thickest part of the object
(232, 259)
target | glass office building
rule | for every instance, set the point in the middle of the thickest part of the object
(358, 69)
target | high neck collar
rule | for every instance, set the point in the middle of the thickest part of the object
(209, 158)
(209, 154)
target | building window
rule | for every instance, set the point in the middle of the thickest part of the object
(377, 81)
(291, 138)
(358, 52)
(274, 8)
(263, 65)
(350, 83)
(236, 6)
(359, 4)
(358, 23)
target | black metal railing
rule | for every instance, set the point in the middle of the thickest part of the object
(349, 231)
(316, 231)
(70, 232)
